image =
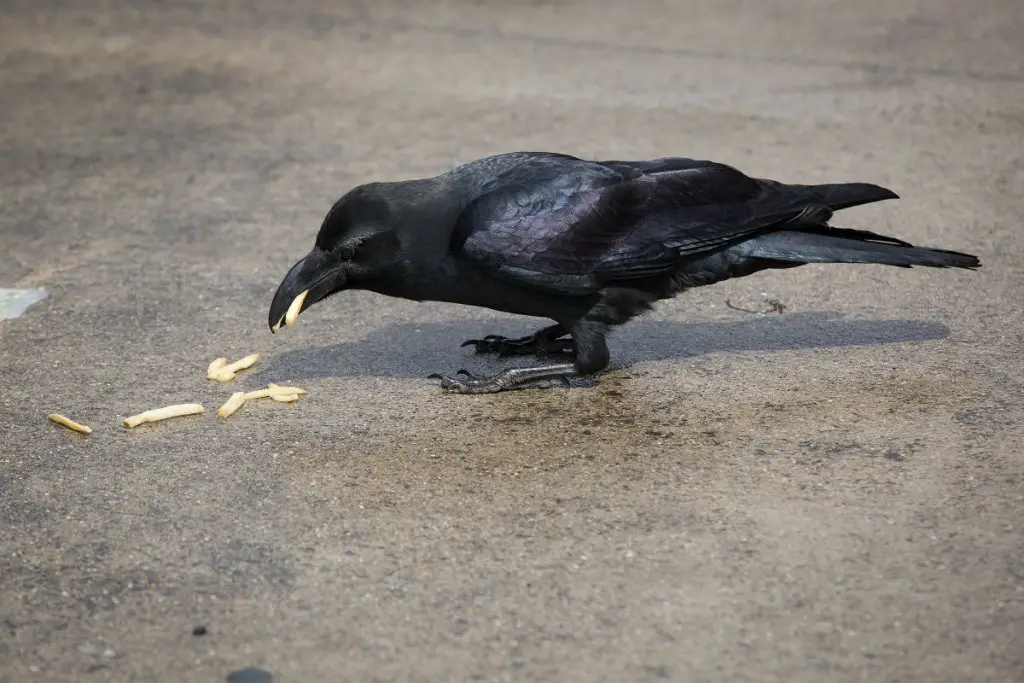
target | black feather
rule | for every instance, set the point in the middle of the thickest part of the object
(806, 247)
(564, 224)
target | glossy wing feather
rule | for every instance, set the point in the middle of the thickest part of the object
(572, 226)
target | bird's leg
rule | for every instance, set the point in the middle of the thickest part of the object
(591, 357)
(549, 341)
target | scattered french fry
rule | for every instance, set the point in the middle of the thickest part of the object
(215, 367)
(69, 423)
(258, 393)
(293, 310)
(277, 388)
(158, 414)
(228, 372)
(285, 398)
(232, 404)
(274, 390)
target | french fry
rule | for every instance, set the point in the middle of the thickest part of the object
(215, 367)
(230, 371)
(277, 388)
(258, 393)
(293, 310)
(274, 390)
(69, 423)
(232, 404)
(285, 398)
(158, 414)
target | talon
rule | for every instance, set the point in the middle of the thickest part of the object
(489, 344)
(465, 372)
(546, 342)
(450, 383)
(435, 375)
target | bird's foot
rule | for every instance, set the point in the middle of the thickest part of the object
(511, 378)
(546, 342)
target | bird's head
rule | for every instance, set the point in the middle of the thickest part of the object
(356, 243)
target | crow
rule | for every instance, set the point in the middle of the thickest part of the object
(588, 245)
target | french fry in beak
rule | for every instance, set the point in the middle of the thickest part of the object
(230, 371)
(158, 414)
(293, 310)
(69, 423)
(232, 404)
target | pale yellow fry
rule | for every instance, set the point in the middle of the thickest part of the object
(258, 393)
(232, 404)
(165, 413)
(293, 310)
(242, 363)
(274, 389)
(285, 398)
(69, 423)
(278, 389)
(228, 372)
(215, 367)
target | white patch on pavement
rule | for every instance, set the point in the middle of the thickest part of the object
(14, 302)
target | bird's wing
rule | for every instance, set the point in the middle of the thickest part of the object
(662, 165)
(571, 226)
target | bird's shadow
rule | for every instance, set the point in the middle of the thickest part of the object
(418, 349)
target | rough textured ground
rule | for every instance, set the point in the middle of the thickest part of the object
(834, 493)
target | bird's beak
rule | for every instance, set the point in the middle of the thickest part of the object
(308, 281)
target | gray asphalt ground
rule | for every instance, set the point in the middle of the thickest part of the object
(834, 493)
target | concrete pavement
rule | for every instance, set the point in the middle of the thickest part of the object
(830, 494)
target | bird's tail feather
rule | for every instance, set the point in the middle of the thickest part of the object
(816, 247)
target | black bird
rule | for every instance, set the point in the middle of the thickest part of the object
(586, 244)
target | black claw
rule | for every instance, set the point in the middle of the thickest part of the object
(449, 382)
(435, 375)
(462, 386)
(489, 344)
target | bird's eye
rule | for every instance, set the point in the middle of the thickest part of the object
(347, 251)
